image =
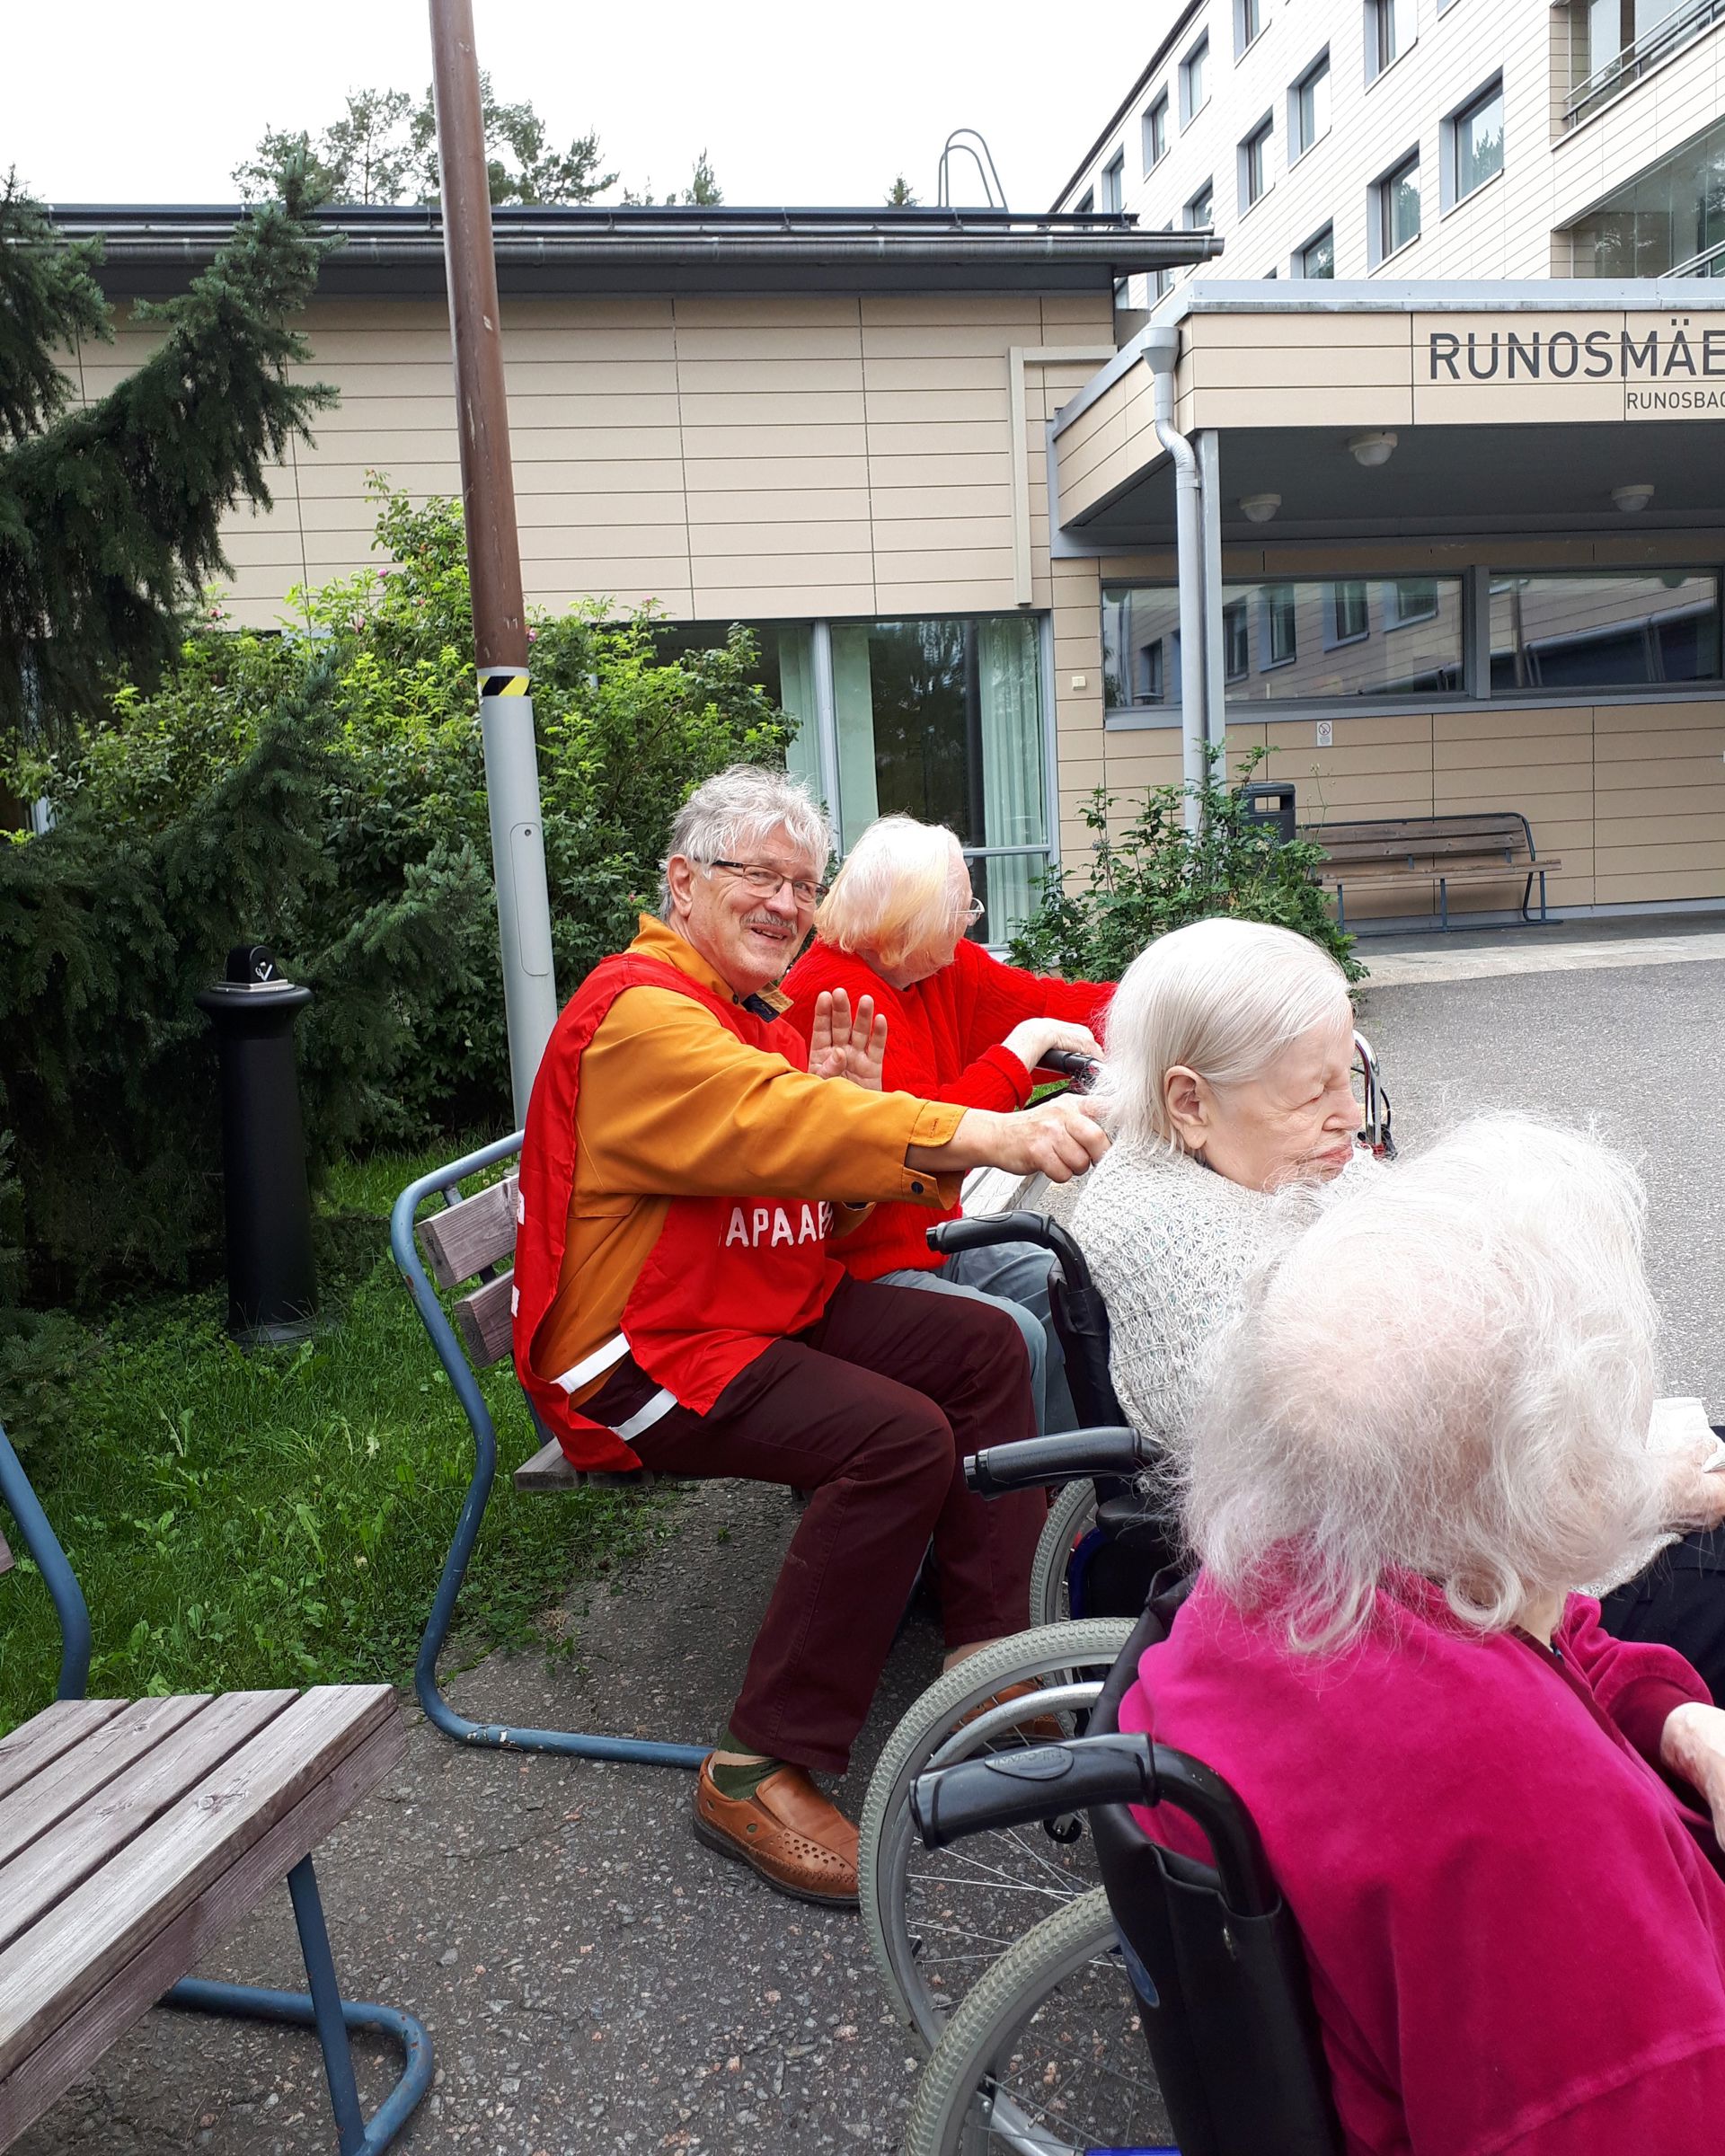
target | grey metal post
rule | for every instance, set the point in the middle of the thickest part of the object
(493, 550)
(1216, 685)
(1161, 352)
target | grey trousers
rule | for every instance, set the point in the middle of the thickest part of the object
(1015, 1275)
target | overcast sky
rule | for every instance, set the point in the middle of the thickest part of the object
(822, 102)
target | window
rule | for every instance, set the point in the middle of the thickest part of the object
(1605, 628)
(1155, 133)
(1086, 203)
(1474, 137)
(940, 718)
(1194, 81)
(1162, 280)
(1236, 640)
(1613, 43)
(1299, 654)
(1254, 165)
(1200, 211)
(1409, 599)
(1248, 20)
(1308, 109)
(1395, 210)
(1317, 258)
(1349, 618)
(1112, 195)
(1282, 617)
(1670, 218)
(1386, 33)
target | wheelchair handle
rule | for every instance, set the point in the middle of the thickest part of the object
(1015, 1788)
(983, 1231)
(1030, 1461)
(1080, 1070)
(1011, 1789)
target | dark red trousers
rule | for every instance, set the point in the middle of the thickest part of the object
(872, 1410)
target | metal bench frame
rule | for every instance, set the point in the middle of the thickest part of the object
(445, 1183)
(321, 2007)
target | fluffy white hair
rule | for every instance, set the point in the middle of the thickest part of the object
(738, 809)
(1222, 997)
(897, 895)
(1447, 1370)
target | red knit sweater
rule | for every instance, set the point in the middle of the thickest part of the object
(943, 1042)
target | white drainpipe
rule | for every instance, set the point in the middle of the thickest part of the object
(1161, 351)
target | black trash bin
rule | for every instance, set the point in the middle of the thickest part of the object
(271, 1282)
(1271, 801)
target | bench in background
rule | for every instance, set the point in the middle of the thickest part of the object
(1391, 852)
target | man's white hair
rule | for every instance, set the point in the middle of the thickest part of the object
(1448, 1371)
(731, 815)
(899, 894)
(1223, 998)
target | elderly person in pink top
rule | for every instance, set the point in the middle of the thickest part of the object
(1495, 1826)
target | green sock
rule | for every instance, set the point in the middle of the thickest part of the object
(740, 1782)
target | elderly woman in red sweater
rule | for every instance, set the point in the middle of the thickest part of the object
(960, 1026)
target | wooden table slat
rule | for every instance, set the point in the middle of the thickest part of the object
(97, 1833)
(60, 1962)
(77, 1774)
(125, 1990)
(42, 1740)
(463, 1239)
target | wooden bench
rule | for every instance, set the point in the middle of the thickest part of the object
(1389, 852)
(472, 1238)
(134, 1836)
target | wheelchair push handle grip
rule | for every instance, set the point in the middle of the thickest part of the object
(1030, 1461)
(984, 1230)
(1011, 1789)
(1081, 1070)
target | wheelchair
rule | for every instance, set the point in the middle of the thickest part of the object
(1197, 1965)
(936, 1921)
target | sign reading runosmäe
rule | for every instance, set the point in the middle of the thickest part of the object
(1669, 366)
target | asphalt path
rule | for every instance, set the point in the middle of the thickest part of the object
(593, 1979)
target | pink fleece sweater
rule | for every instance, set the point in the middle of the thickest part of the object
(1515, 1927)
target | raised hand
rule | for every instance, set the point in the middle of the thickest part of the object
(845, 1045)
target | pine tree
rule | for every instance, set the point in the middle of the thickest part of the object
(110, 512)
(703, 188)
(899, 195)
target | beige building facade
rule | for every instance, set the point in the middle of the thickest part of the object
(916, 458)
(1417, 139)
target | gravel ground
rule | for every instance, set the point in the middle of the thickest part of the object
(595, 1981)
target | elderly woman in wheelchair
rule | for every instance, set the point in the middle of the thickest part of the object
(1493, 1829)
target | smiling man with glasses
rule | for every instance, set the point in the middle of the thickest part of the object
(688, 1158)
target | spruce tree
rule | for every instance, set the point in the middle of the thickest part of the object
(110, 511)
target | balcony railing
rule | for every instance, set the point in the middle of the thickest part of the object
(1709, 262)
(1627, 68)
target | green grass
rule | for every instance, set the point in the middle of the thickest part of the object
(280, 1517)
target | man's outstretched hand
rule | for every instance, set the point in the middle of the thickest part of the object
(1059, 1139)
(843, 1046)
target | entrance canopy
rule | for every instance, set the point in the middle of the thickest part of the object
(1512, 407)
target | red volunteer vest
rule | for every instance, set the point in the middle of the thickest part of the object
(726, 1277)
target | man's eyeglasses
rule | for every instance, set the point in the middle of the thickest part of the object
(768, 883)
(974, 912)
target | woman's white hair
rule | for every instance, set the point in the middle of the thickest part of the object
(897, 894)
(1223, 998)
(739, 809)
(1448, 1371)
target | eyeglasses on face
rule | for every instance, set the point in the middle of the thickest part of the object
(768, 883)
(974, 912)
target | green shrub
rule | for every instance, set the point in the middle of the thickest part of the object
(1155, 875)
(321, 791)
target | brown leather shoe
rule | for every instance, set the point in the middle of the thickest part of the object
(1035, 1728)
(798, 1839)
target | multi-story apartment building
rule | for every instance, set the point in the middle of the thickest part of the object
(1426, 138)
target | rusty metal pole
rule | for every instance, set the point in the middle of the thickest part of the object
(493, 550)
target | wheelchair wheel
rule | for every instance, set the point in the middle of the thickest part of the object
(1046, 2054)
(936, 1919)
(1072, 1515)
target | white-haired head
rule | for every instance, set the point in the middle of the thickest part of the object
(903, 891)
(1223, 998)
(735, 812)
(1448, 1371)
